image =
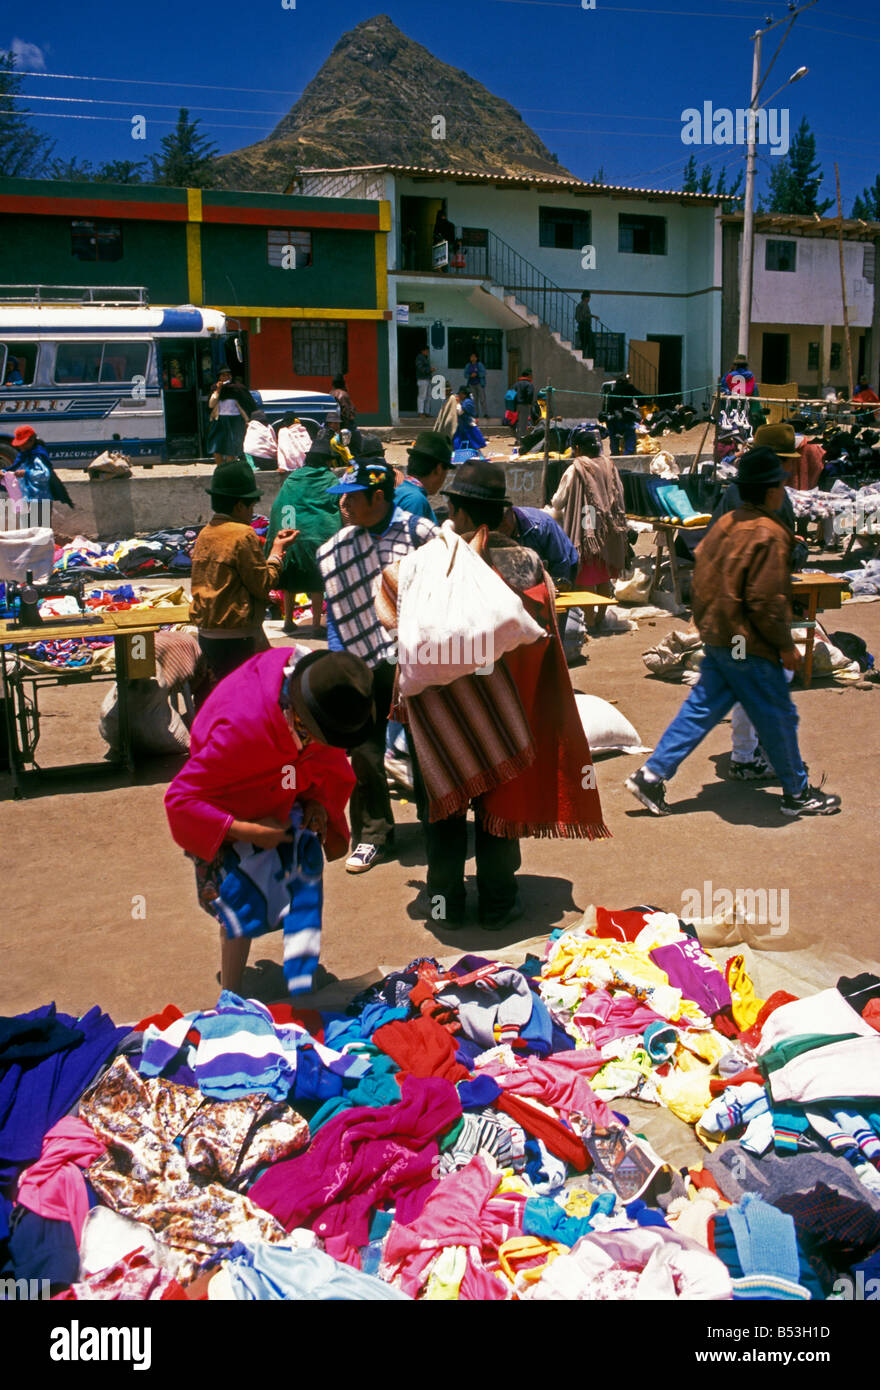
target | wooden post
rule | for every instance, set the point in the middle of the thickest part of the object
(849, 370)
(549, 399)
(713, 412)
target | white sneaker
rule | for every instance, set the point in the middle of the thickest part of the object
(362, 859)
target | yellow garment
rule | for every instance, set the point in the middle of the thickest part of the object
(709, 1046)
(449, 1269)
(615, 964)
(511, 1182)
(745, 1004)
(685, 1091)
(527, 1248)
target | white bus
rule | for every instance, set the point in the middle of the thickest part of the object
(92, 369)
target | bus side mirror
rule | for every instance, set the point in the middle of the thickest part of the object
(238, 352)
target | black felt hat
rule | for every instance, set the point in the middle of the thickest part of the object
(761, 466)
(481, 481)
(332, 692)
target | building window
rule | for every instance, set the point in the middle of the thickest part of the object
(836, 349)
(868, 265)
(812, 357)
(609, 351)
(96, 241)
(487, 343)
(566, 229)
(780, 255)
(320, 347)
(289, 250)
(100, 362)
(641, 236)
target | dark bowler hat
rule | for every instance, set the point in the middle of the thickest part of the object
(234, 479)
(480, 480)
(433, 447)
(779, 438)
(332, 692)
(761, 466)
(371, 447)
(320, 449)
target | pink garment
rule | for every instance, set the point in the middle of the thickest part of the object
(601, 1017)
(559, 1080)
(131, 1280)
(460, 1211)
(358, 1161)
(54, 1187)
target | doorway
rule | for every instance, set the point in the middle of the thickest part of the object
(409, 342)
(668, 366)
(774, 358)
(417, 218)
(180, 370)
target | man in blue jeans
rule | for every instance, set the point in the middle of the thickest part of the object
(742, 607)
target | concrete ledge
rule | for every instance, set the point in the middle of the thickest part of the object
(122, 507)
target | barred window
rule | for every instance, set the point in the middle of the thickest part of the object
(288, 249)
(780, 255)
(320, 347)
(96, 241)
(641, 235)
(485, 342)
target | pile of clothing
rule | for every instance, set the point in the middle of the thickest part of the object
(455, 1133)
(161, 552)
(856, 510)
(80, 653)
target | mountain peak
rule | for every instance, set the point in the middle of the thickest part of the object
(383, 98)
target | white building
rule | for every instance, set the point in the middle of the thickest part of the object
(651, 260)
(797, 332)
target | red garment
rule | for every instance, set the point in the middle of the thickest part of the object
(724, 1023)
(871, 1013)
(420, 1047)
(618, 925)
(244, 765)
(310, 1019)
(752, 1036)
(717, 1084)
(701, 1177)
(169, 1015)
(560, 1141)
(549, 798)
(807, 468)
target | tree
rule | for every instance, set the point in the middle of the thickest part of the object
(730, 195)
(705, 183)
(186, 159)
(599, 176)
(867, 204)
(24, 152)
(796, 177)
(689, 180)
(111, 171)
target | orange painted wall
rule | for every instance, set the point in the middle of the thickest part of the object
(271, 361)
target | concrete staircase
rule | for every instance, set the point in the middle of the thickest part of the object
(552, 358)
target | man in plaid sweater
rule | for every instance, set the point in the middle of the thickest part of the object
(375, 534)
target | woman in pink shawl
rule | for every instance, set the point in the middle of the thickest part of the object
(271, 734)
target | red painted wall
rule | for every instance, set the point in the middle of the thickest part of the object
(271, 361)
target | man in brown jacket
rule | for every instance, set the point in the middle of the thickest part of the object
(742, 607)
(231, 577)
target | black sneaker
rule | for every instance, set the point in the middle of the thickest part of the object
(650, 794)
(756, 770)
(812, 801)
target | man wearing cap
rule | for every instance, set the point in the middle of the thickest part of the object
(270, 736)
(231, 578)
(742, 607)
(33, 468)
(430, 459)
(375, 533)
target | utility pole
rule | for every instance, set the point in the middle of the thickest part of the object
(849, 370)
(748, 237)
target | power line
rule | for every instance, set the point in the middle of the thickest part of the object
(150, 82)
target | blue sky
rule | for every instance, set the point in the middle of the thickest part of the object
(602, 87)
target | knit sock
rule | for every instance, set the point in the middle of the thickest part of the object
(648, 775)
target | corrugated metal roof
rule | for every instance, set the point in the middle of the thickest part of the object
(855, 228)
(514, 180)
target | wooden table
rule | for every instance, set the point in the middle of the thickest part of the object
(817, 592)
(580, 598)
(124, 627)
(666, 532)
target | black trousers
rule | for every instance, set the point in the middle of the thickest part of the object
(446, 842)
(372, 818)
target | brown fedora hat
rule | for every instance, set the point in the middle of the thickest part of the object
(779, 438)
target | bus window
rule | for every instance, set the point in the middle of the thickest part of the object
(79, 362)
(19, 364)
(124, 361)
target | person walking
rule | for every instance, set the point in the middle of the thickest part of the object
(231, 578)
(424, 372)
(583, 317)
(430, 459)
(446, 422)
(229, 419)
(525, 400)
(475, 380)
(270, 737)
(468, 434)
(742, 608)
(304, 502)
(374, 534)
